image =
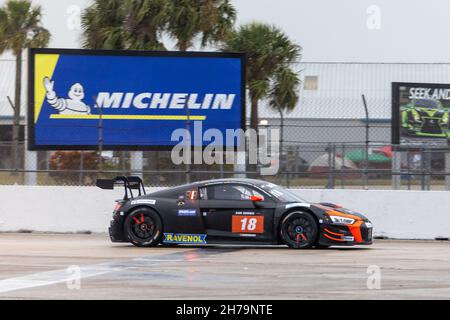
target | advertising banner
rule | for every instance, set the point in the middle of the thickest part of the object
(130, 100)
(420, 114)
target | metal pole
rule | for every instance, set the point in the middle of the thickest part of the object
(331, 165)
(408, 158)
(100, 136)
(188, 145)
(428, 156)
(447, 171)
(396, 169)
(280, 154)
(333, 181)
(343, 165)
(80, 176)
(422, 169)
(366, 153)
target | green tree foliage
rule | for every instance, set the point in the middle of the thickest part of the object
(142, 24)
(20, 28)
(271, 60)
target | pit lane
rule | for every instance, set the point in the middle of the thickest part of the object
(47, 266)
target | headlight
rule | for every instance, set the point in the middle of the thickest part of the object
(342, 220)
(416, 116)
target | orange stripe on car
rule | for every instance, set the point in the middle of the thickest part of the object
(333, 233)
(332, 238)
(355, 229)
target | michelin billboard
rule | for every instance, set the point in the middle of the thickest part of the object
(420, 114)
(130, 100)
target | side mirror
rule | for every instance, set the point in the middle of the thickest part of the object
(256, 198)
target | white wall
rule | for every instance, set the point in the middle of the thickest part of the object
(395, 214)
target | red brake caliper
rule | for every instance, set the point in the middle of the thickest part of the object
(139, 221)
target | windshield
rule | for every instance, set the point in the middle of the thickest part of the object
(425, 103)
(281, 194)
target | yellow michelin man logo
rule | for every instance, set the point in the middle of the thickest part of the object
(72, 105)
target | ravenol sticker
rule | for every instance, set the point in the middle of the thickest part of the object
(184, 238)
(187, 212)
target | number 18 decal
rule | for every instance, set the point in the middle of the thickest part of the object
(247, 224)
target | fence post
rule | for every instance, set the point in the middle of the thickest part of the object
(366, 151)
(30, 157)
(30, 162)
(331, 165)
(396, 169)
(428, 155)
(80, 175)
(422, 169)
(137, 163)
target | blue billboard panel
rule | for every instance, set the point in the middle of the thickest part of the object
(130, 100)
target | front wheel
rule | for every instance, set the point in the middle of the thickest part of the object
(299, 230)
(143, 227)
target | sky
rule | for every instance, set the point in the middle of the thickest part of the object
(327, 30)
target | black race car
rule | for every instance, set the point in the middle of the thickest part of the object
(230, 211)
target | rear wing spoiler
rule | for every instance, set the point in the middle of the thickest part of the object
(129, 183)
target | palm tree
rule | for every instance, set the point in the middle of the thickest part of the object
(212, 20)
(102, 25)
(20, 28)
(144, 22)
(283, 95)
(125, 24)
(271, 57)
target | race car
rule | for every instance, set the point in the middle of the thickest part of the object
(425, 118)
(230, 211)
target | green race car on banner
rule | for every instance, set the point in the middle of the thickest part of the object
(425, 118)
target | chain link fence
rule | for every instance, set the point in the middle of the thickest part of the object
(328, 141)
(328, 165)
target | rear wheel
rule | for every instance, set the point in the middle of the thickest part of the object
(143, 227)
(299, 230)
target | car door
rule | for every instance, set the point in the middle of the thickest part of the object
(229, 214)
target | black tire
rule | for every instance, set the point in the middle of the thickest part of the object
(143, 227)
(299, 230)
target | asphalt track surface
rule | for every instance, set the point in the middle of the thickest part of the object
(48, 266)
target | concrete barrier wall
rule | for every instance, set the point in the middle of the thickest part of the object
(395, 214)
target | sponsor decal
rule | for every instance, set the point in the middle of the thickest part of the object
(245, 213)
(348, 238)
(184, 238)
(187, 212)
(143, 201)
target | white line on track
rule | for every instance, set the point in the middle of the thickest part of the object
(63, 275)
